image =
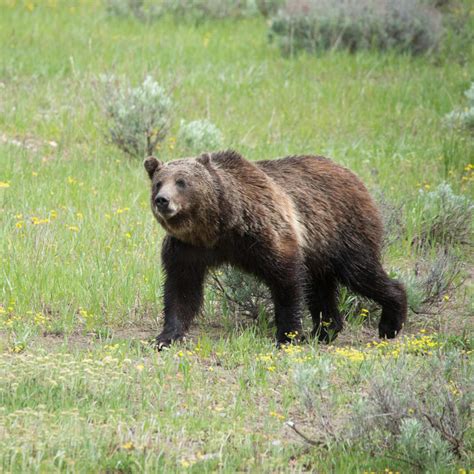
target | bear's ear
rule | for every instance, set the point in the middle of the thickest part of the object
(204, 159)
(152, 164)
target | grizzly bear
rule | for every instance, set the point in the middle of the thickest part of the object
(302, 224)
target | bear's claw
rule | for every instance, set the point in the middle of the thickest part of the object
(163, 341)
(389, 331)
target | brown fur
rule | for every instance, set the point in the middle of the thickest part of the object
(303, 224)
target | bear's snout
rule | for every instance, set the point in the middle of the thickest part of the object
(162, 203)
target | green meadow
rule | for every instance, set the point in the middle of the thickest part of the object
(81, 389)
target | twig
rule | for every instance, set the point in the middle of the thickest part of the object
(402, 459)
(310, 441)
(455, 442)
(422, 312)
(222, 289)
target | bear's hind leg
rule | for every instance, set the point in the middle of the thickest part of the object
(394, 308)
(322, 303)
(371, 281)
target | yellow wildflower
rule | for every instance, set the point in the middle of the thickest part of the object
(121, 210)
(350, 353)
(38, 221)
(277, 415)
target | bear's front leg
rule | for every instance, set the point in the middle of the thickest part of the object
(183, 290)
(288, 301)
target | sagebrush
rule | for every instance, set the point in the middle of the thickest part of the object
(416, 411)
(241, 294)
(433, 279)
(198, 136)
(138, 117)
(445, 218)
(317, 25)
(463, 117)
(143, 10)
(206, 9)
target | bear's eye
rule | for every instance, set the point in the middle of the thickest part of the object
(157, 185)
(180, 183)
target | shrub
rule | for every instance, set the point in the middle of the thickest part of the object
(437, 3)
(423, 447)
(199, 136)
(315, 25)
(422, 417)
(143, 10)
(463, 119)
(417, 410)
(432, 279)
(314, 380)
(446, 217)
(317, 395)
(357, 310)
(204, 9)
(268, 8)
(458, 37)
(240, 293)
(392, 217)
(138, 117)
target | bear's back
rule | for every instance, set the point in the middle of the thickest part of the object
(329, 198)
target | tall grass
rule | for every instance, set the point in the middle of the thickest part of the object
(80, 279)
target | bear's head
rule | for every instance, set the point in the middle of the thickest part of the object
(185, 198)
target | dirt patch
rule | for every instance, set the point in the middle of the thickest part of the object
(29, 143)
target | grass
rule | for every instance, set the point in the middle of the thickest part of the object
(79, 250)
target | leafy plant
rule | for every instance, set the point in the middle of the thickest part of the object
(200, 135)
(432, 279)
(423, 418)
(446, 218)
(143, 10)
(392, 218)
(204, 9)
(315, 25)
(463, 118)
(138, 117)
(317, 394)
(415, 411)
(241, 293)
(269, 8)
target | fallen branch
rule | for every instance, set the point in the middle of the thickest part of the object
(310, 441)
